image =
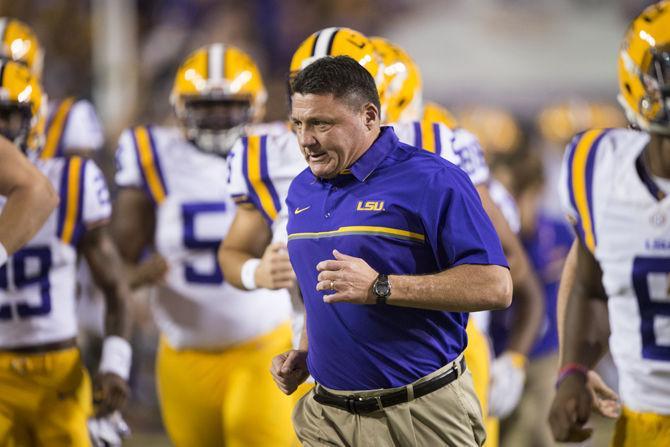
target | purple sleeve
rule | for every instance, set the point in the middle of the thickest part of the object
(457, 227)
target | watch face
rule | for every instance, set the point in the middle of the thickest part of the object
(382, 289)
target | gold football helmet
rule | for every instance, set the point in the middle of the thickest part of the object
(402, 89)
(644, 69)
(20, 44)
(218, 90)
(559, 122)
(496, 129)
(435, 113)
(22, 106)
(339, 42)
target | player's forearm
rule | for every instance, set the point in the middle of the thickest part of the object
(231, 261)
(464, 288)
(585, 336)
(133, 224)
(529, 311)
(584, 323)
(116, 291)
(117, 318)
(583, 318)
(106, 268)
(25, 211)
(564, 288)
(248, 237)
(107, 271)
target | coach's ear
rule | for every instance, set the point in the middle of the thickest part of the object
(371, 115)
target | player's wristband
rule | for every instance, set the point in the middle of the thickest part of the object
(3, 255)
(248, 273)
(570, 369)
(116, 356)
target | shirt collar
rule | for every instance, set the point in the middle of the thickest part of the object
(370, 160)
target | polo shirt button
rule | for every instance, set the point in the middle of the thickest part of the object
(327, 215)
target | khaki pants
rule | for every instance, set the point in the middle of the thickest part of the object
(449, 416)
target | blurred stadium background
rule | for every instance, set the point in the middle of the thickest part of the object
(524, 75)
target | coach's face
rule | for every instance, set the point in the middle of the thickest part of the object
(332, 133)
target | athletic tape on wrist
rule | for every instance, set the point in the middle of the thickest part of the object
(248, 273)
(116, 356)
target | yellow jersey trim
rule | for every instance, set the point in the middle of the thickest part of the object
(579, 184)
(361, 230)
(148, 165)
(72, 201)
(56, 129)
(428, 136)
(255, 177)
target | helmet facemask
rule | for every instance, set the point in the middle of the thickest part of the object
(214, 124)
(655, 105)
(16, 123)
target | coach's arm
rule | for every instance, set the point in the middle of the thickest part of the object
(464, 288)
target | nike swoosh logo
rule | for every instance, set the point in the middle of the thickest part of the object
(300, 210)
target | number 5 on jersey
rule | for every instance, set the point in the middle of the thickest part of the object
(191, 213)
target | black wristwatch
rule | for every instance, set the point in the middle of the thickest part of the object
(382, 288)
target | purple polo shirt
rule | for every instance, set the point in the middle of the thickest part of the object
(404, 211)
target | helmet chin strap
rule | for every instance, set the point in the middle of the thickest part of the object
(218, 142)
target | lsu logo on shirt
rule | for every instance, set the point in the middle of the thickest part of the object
(370, 205)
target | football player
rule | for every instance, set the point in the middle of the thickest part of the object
(46, 396)
(30, 198)
(614, 187)
(72, 128)
(217, 341)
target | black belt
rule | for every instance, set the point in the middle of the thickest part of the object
(363, 405)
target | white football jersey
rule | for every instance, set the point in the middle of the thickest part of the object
(194, 209)
(71, 124)
(621, 219)
(37, 284)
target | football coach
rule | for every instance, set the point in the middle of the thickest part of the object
(391, 248)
